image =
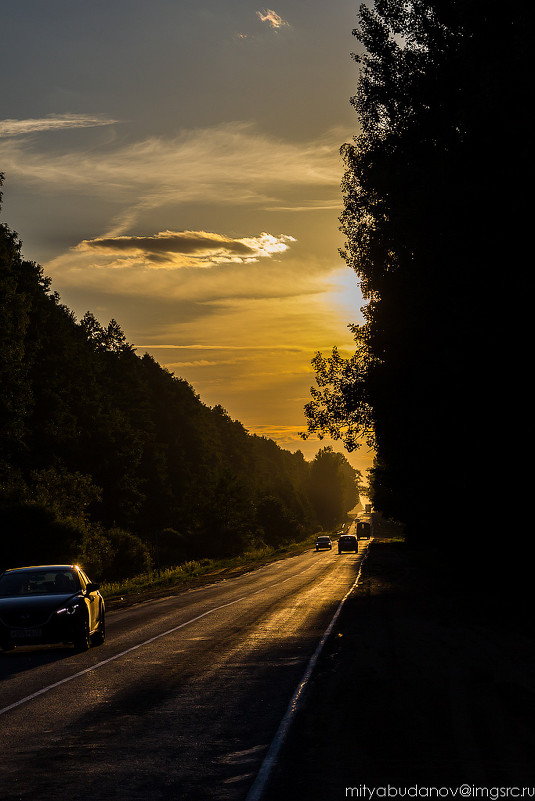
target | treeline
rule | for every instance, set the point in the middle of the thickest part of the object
(109, 459)
(437, 230)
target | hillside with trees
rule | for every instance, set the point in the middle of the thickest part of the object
(436, 224)
(108, 458)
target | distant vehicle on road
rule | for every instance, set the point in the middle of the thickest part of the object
(50, 604)
(348, 542)
(323, 542)
(363, 530)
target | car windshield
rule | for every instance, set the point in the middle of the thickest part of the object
(39, 582)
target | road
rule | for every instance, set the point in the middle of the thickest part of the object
(182, 700)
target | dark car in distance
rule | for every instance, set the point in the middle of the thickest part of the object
(363, 530)
(348, 542)
(50, 604)
(323, 542)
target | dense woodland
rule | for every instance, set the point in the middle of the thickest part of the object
(109, 459)
(437, 230)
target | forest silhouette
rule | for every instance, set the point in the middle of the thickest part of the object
(109, 459)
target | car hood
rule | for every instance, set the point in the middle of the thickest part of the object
(35, 603)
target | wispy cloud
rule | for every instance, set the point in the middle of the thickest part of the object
(53, 122)
(232, 162)
(313, 205)
(271, 17)
(248, 348)
(138, 277)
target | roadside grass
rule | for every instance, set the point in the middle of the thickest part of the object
(179, 577)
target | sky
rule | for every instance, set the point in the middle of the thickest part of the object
(174, 165)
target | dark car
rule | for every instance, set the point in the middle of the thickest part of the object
(363, 530)
(348, 542)
(323, 542)
(50, 604)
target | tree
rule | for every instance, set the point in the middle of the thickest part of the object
(275, 521)
(15, 396)
(32, 534)
(130, 555)
(333, 487)
(340, 407)
(68, 495)
(432, 216)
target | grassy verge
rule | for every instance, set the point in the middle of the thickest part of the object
(194, 573)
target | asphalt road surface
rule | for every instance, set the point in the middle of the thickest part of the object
(183, 699)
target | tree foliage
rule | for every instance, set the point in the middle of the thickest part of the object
(436, 230)
(333, 485)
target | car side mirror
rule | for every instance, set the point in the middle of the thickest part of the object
(92, 587)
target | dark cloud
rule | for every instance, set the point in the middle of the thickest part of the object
(186, 242)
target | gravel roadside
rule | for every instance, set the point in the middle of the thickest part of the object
(416, 688)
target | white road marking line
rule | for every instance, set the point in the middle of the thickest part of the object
(259, 785)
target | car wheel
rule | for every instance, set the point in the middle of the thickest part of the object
(82, 640)
(100, 635)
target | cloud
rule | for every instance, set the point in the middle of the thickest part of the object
(248, 348)
(174, 281)
(187, 248)
(203, 363)
(192, 242)
(267, 244)
(232, 163)
(273, 19)
(313, 205)
(53, 122)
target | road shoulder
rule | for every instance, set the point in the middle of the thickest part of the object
(416, 686)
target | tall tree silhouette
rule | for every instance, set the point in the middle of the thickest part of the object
(435, 219)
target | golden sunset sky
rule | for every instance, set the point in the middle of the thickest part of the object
(175, 165)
